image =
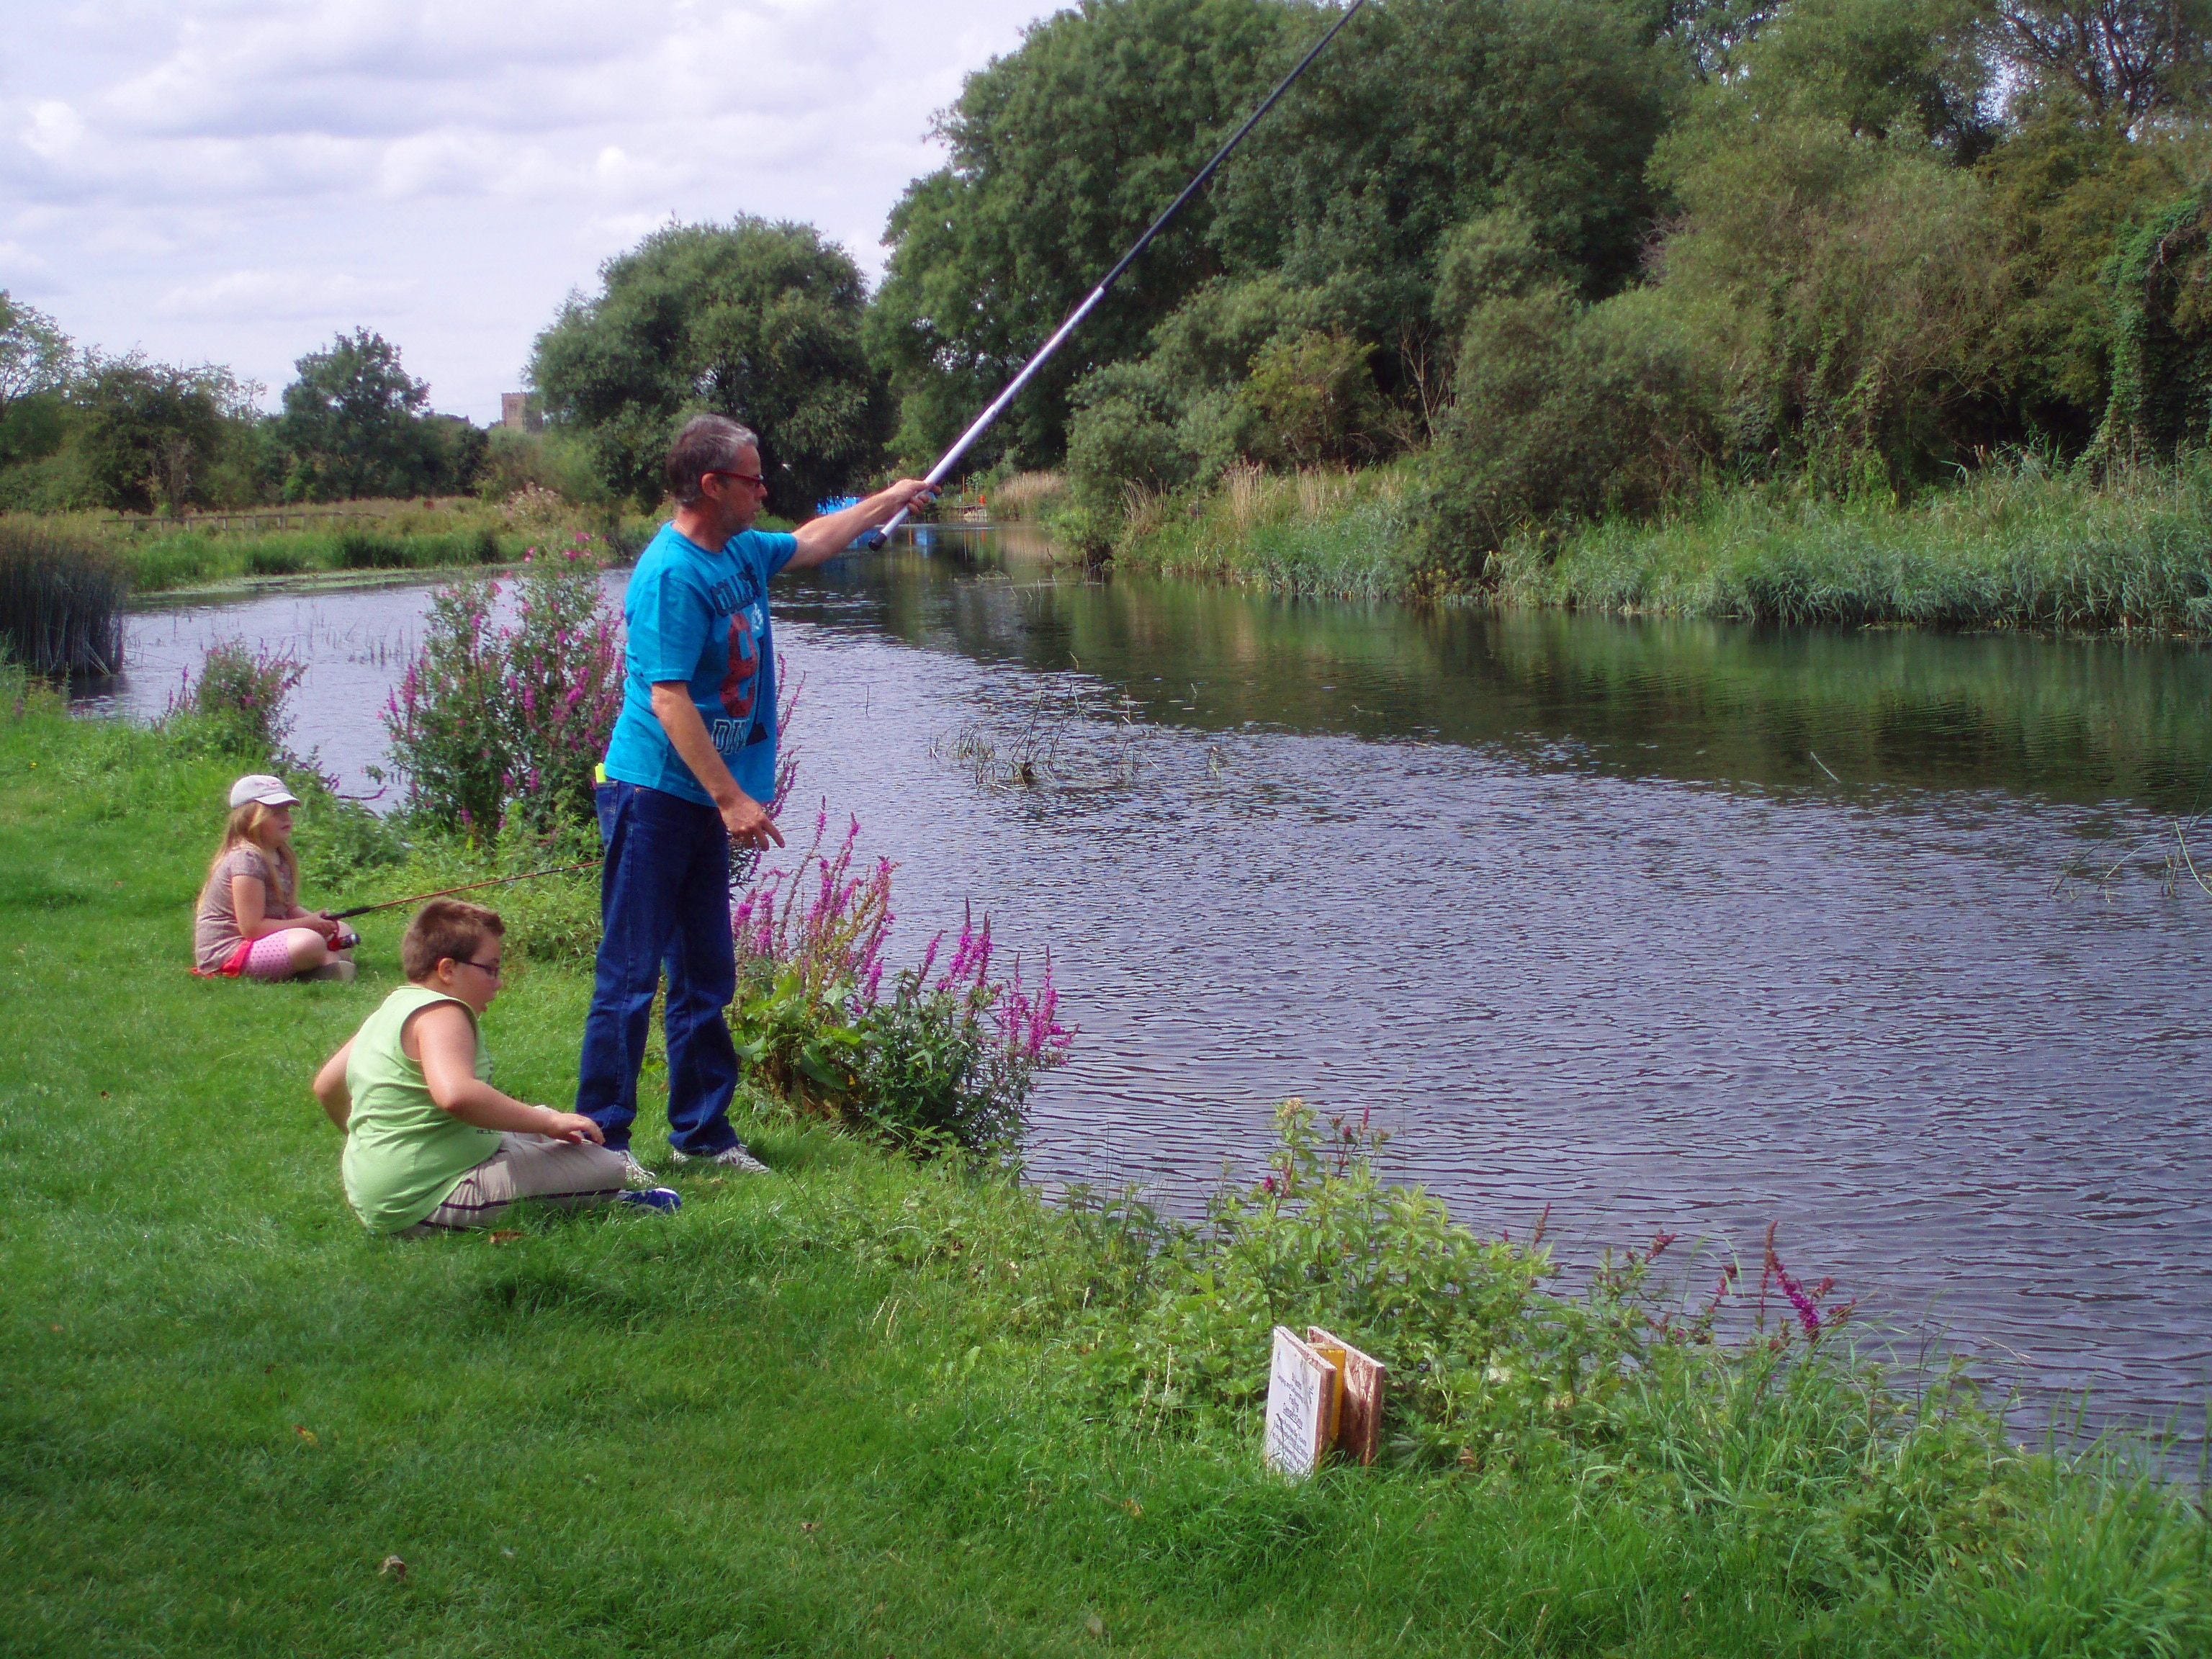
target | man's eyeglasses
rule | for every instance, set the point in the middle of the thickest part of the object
(752, 478)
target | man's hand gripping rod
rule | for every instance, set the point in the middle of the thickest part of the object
(982, 424)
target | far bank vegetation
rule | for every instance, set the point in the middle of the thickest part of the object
(1605, 302)
(1837, 310)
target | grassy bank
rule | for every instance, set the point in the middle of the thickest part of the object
(1341, 535)
(2006, 548)
(861, 1407)
(454, 532)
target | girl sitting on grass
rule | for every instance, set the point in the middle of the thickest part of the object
(250, 921)
(430, 1145)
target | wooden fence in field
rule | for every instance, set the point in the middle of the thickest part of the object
(256, 520)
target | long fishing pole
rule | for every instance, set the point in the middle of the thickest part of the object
(875, 538)
(471, 887)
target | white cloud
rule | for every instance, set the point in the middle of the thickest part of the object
(17, 260)
(282, 294)
(239, 179)
(53, 130)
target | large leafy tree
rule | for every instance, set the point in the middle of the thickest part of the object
(1431, 111)
(1423, 113)
(1062, 152)
(2126, 60)
(357, 424)
(1333, 224)
(35, 360)
(756, 320)
(34, 353)
(151, 433)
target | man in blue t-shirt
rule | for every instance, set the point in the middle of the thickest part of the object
(691, 769)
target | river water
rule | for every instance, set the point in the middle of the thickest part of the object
(1683, 926)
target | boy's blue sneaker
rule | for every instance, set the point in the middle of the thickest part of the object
(654, 1198)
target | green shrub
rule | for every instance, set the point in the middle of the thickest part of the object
(363, 549)
(1315, 398)
(1565, 412)
(275, 559)
(238, 703)
(493, 721)
(945, 1061)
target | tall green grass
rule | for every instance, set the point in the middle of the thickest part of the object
(2010, 547)
(2020, 545)
(61, 603)
(1323, 533)
(188, 558)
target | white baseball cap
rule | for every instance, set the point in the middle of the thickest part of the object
(259, 785)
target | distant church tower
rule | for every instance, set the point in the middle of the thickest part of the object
(517, 411)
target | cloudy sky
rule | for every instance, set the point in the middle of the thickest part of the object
(236, 180)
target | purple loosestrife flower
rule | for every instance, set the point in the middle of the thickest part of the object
(983, 954)
(1808, 1314)
(958, 970)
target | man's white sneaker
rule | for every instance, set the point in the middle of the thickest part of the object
(730, 1158)
(636, 1175)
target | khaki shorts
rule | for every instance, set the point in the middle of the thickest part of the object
(526, 1166)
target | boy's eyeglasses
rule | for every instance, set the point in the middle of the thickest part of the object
(491, 968)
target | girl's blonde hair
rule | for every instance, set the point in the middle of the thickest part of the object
(245, 824)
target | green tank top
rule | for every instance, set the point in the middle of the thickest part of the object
(402, 1155)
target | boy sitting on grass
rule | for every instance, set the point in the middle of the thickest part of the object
(430, 1145)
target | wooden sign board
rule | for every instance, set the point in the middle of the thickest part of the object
(1303, 1390)
(1359, 1384)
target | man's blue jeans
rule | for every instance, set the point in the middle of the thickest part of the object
(664, 898)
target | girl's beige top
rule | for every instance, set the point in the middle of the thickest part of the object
(216, 935)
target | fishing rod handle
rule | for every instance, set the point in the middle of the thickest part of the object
(875, 540)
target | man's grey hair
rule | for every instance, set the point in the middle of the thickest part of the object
(708, 443)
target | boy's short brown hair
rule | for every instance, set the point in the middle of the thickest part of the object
(443, 928)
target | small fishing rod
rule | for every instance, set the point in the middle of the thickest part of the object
(471, 887)
(875, 538)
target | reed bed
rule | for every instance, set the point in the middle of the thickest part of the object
(2018, 545)
(1025, 495)
(2012, 547)
(1322, 531)
(61, 603)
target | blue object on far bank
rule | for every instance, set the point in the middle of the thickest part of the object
(837, 504)
(654, 1198)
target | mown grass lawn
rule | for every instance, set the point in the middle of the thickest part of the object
(228, 1416)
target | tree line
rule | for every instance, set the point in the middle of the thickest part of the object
(1572, 257)
(82, 429)
(1580, 256)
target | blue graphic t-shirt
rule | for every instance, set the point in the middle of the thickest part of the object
(701, 617)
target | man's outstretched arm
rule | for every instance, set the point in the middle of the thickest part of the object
(827, 537)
